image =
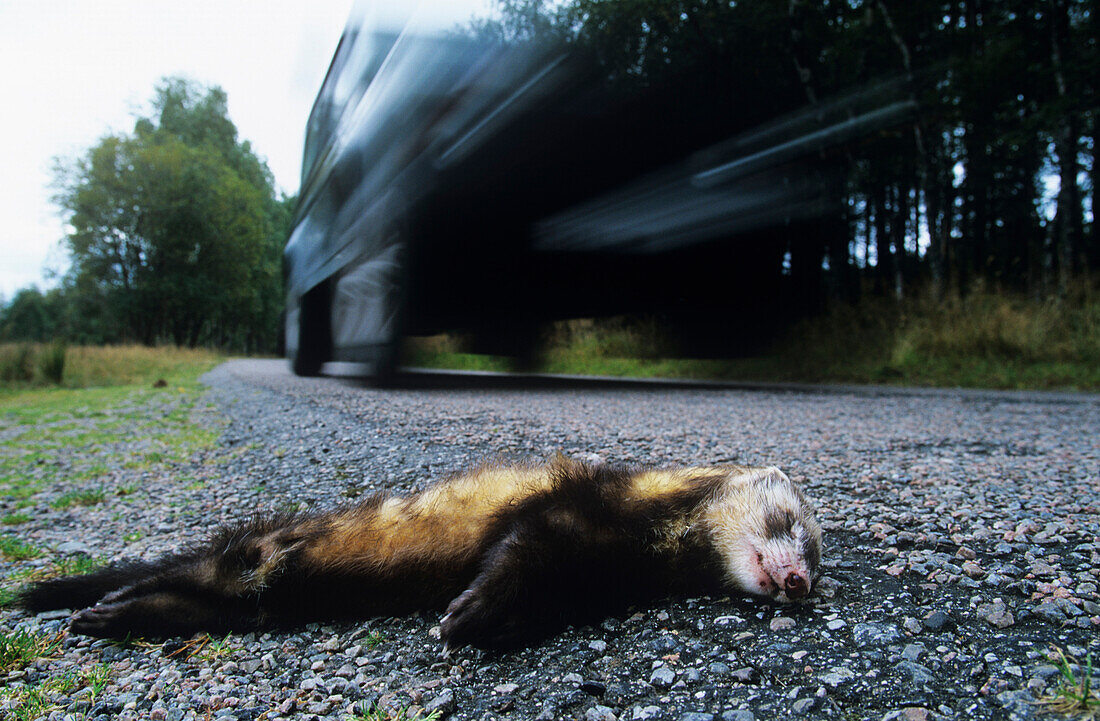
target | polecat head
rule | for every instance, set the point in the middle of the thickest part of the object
(765, 531)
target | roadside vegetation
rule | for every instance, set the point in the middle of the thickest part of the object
(64, 442)
(20, 649)
(982, 340)
(25, 366)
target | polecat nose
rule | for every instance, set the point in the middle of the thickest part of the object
(795, 585)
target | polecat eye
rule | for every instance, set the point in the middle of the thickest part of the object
(777, 523)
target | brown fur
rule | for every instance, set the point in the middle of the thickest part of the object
(517, 550)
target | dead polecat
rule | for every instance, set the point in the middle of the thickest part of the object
(511, 551)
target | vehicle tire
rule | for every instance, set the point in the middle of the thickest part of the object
(388, 352)
(314, 333)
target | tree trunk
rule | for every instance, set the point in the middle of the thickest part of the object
(1068, 214)
(925, 163)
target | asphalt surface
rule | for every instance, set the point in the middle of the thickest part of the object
(962, 548)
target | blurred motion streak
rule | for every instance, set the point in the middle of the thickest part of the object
(454, 183)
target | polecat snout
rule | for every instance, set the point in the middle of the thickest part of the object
(511, 551)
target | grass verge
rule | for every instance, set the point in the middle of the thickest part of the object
(80, 449)
(28, 365)
(984, 340)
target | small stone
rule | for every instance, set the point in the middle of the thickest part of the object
(1018, 703)
(696, 716)
(738, 715)
(506, 688)
(837, 675)
(744, 675)
(913, 651)
(782, 623)
(803, 705)
(836, 624)
(443, 702)
(54, 615)
(662, 677)
(600, 713)
(996, 614)
(599, 646)
(641, 714)
(936, 620)
(1049, 612)
(593, 688)
(919, 675)
(875, 634)
(973, 570)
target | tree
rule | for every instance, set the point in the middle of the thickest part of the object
(176, 231)
(30, 316)
(961, 195)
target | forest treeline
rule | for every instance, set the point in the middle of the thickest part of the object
(990, 184)
(175, 235)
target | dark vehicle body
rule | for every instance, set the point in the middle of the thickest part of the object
(454, 184)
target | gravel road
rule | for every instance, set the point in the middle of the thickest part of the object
(962, 542)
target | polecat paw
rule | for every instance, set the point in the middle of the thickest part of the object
(476, 618)
(104, 620)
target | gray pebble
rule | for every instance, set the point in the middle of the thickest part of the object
(662, 676)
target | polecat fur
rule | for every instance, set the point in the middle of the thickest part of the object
(512, 552)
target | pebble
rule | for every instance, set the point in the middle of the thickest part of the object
(935, 620)
(782, 623)
(996, 614)
(662, 676)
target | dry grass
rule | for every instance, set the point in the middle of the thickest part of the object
(98, 366)
(1074, 696)
(985, 340)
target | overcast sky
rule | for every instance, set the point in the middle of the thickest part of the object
(74, 70)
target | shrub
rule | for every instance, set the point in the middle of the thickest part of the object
(51, 364)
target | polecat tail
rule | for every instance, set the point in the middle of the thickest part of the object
(84, 590)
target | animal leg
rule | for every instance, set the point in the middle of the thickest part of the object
(160, 614)
(84, 590)
(537, 579)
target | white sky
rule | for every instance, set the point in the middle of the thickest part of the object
(74, 70)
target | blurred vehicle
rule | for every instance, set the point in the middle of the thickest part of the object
(452, 183)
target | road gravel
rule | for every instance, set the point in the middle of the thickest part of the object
(962, 547)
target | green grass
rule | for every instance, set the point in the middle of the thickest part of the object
(58, 437)
(32, 702)
(18, 648)
(79, 498)
(14, 549)
(75, 564)
(62, 444)
(983, 340)
(367, 712)
(1074, 696)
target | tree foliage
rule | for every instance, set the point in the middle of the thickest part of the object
(993, 183)
(175, 230)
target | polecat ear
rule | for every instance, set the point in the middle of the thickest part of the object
(764, 477)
